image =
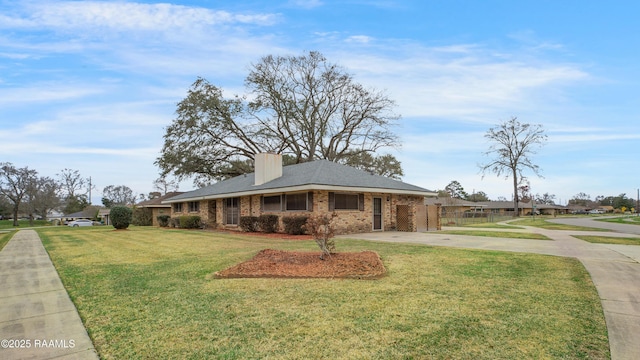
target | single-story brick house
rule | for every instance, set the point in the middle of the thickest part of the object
(157, 207)
(363, 202)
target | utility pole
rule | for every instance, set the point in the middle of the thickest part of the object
(90, 191)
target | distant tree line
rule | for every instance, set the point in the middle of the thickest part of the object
(455, 190)
(620, 202)
(24, 193)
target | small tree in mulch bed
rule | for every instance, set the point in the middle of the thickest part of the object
(323, 231)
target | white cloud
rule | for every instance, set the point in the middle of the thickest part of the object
(15, 56)
(595, 137)
(45, 92)
(145, 57)
(363, 39)
(463, 82)
(53, 150)
(305, 4)
(124, 16)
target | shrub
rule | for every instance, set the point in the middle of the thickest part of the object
(142, 217)
(175, 222)
(120, 216)
(268, 223)
(190, 222)
(322, 230)
(294, 225)
(163, 220)
(249, 223)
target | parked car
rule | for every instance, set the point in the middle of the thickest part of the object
(80, 222)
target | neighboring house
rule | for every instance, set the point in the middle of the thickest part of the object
(104, 215)
(55, 215)
(454, 208)
(506, 207)
(455, 205)
(607, 209)
(157, 207)
(90, 212)
(363, 202)
(552, 209)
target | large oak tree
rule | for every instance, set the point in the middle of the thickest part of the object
(300, 106)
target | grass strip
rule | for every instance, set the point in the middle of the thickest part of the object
(148, 293)
(489, 225)
(544, 224)
(628, 220)
(610, 239)
(5, 237)
(8, 224)
(499, 234)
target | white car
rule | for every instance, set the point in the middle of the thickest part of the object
(80, 222)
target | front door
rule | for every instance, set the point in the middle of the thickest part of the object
(377, 213)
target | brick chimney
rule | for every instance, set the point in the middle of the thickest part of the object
(267, 167)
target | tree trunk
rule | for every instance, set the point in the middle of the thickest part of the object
(15, 217)
(516, 210)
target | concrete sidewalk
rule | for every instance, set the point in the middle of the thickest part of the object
(37, 318)
(614, 269)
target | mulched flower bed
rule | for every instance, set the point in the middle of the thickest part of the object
(271, 263)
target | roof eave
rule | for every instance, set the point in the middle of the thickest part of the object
(308, 187)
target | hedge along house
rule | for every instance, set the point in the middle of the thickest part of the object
(362, 202)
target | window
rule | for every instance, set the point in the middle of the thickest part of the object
(177, 207)
(343, 201)
(272, 203)
(296, 201)
(194, 206)
(346, 202)
(232, 211)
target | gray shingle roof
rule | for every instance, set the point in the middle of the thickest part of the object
(321, 174)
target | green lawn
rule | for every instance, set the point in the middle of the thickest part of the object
(609, 239)
(5, 237)
(148, 293)
(8, 224)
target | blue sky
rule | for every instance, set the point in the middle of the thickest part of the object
(91, 85)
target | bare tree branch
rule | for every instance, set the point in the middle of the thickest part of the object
(512, 142)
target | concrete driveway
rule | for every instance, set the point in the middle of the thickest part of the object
(614, 269)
